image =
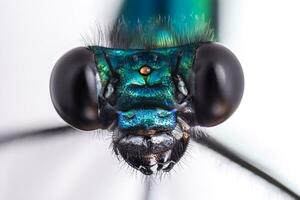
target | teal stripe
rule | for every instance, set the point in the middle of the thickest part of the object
(177, 10)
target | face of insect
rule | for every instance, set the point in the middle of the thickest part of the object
(149, 99)
(148, 135)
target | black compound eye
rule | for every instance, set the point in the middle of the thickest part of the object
(73, 89)
(218, 84)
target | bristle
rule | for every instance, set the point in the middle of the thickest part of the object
(159, 32)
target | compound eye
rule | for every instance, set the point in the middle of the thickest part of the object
(73, 89)
(218, 82)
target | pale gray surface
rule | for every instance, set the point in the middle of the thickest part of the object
(81, 166)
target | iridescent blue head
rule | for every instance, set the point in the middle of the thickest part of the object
(149, 90)
(146, 96)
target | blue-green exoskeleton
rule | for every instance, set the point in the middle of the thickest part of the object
(159, 77)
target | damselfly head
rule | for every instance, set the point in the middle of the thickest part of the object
(148, 98)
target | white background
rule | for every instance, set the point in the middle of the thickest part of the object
(263, 34)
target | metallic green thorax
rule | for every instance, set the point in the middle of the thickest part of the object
(186, 15)
(144, 101)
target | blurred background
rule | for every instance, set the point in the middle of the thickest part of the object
(74, 165)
